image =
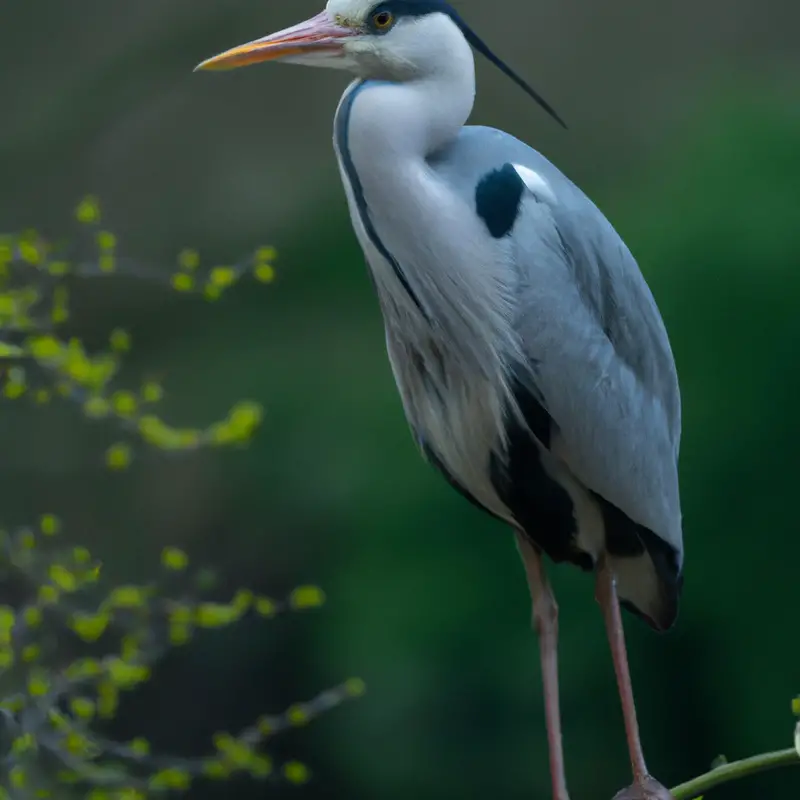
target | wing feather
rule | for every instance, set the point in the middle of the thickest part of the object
(599, 356)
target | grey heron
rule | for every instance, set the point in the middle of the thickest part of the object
(532, 362)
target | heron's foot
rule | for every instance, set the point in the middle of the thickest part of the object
(650, 789)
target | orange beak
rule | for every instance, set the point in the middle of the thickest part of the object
(316, 36)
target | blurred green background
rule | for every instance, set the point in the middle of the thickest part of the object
(685, 129)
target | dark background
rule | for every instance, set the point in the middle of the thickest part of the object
(684, 127)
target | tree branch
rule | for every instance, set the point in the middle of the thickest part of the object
(735, 770)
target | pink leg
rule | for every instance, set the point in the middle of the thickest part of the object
(545, 621)
(606, 595)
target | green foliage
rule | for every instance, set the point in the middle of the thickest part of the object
(74, 641)
(48, 721)
(36, 277)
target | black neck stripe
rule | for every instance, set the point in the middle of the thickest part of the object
(342, 126)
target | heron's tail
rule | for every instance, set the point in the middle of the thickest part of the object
(649, 583)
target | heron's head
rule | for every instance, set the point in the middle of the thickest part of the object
(391, 39)
(395, 40)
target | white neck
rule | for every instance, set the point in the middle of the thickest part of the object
(412, 119)
(384, 133)
(459, 286)
(448, 314)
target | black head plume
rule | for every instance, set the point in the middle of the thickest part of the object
(419, 8)
(480, 46)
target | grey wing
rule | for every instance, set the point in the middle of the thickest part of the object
(598, 355)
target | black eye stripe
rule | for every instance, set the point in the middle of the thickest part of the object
(411, 8)
(397, 9)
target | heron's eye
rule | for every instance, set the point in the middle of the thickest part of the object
(382, 21)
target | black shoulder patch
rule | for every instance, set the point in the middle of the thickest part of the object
(497, 199)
